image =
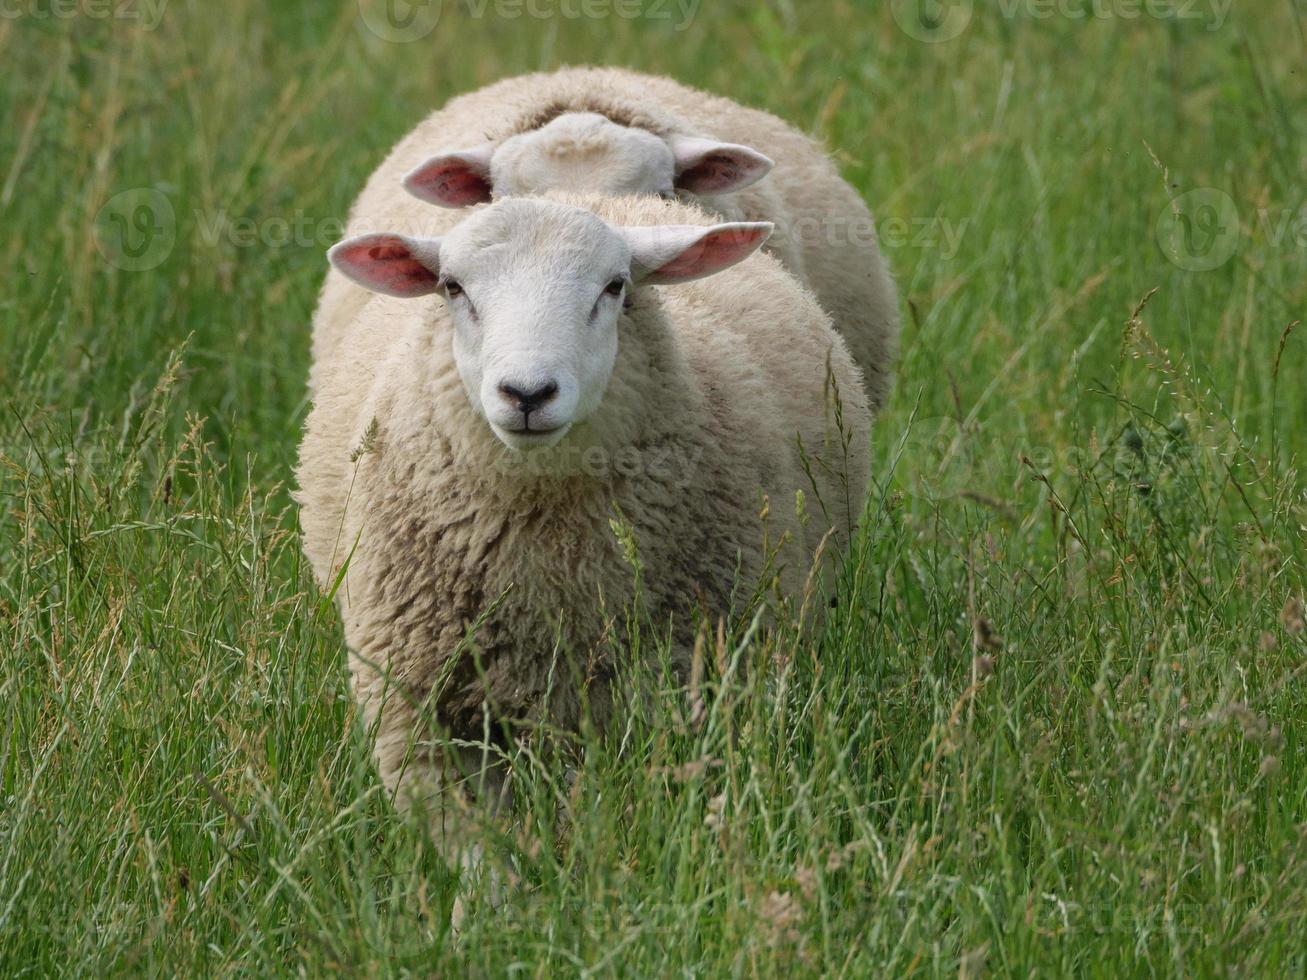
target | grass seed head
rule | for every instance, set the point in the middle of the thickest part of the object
(1293, 617)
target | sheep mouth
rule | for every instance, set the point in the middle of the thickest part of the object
(531, 438)
(542, 433)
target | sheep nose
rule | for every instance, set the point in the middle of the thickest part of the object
(528, 401)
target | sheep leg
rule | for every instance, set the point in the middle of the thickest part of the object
(455, 790)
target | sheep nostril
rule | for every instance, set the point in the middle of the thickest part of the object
(528, 401)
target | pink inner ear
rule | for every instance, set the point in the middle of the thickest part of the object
(388, 267)
(714, 251)
(451, 183)
(715, 172)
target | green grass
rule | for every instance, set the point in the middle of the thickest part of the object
(1056, 725)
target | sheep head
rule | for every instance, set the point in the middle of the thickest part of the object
(584, 151)
(535, 291)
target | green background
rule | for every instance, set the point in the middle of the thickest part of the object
(1056, 724)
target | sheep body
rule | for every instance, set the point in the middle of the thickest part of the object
(825, 234)
(438, 526)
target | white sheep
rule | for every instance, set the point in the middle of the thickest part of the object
(614, 131)
(537, 373)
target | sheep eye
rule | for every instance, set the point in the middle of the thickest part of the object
(615, 287)
(453, 287)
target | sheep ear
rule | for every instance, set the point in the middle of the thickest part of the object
(680, 253)
(453, 180)
(708, 167)
(390, 264)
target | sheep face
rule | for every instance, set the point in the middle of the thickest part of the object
(535, 295)
(584, 151)
(536, 290)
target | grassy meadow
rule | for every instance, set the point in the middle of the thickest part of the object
(1056, 725)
